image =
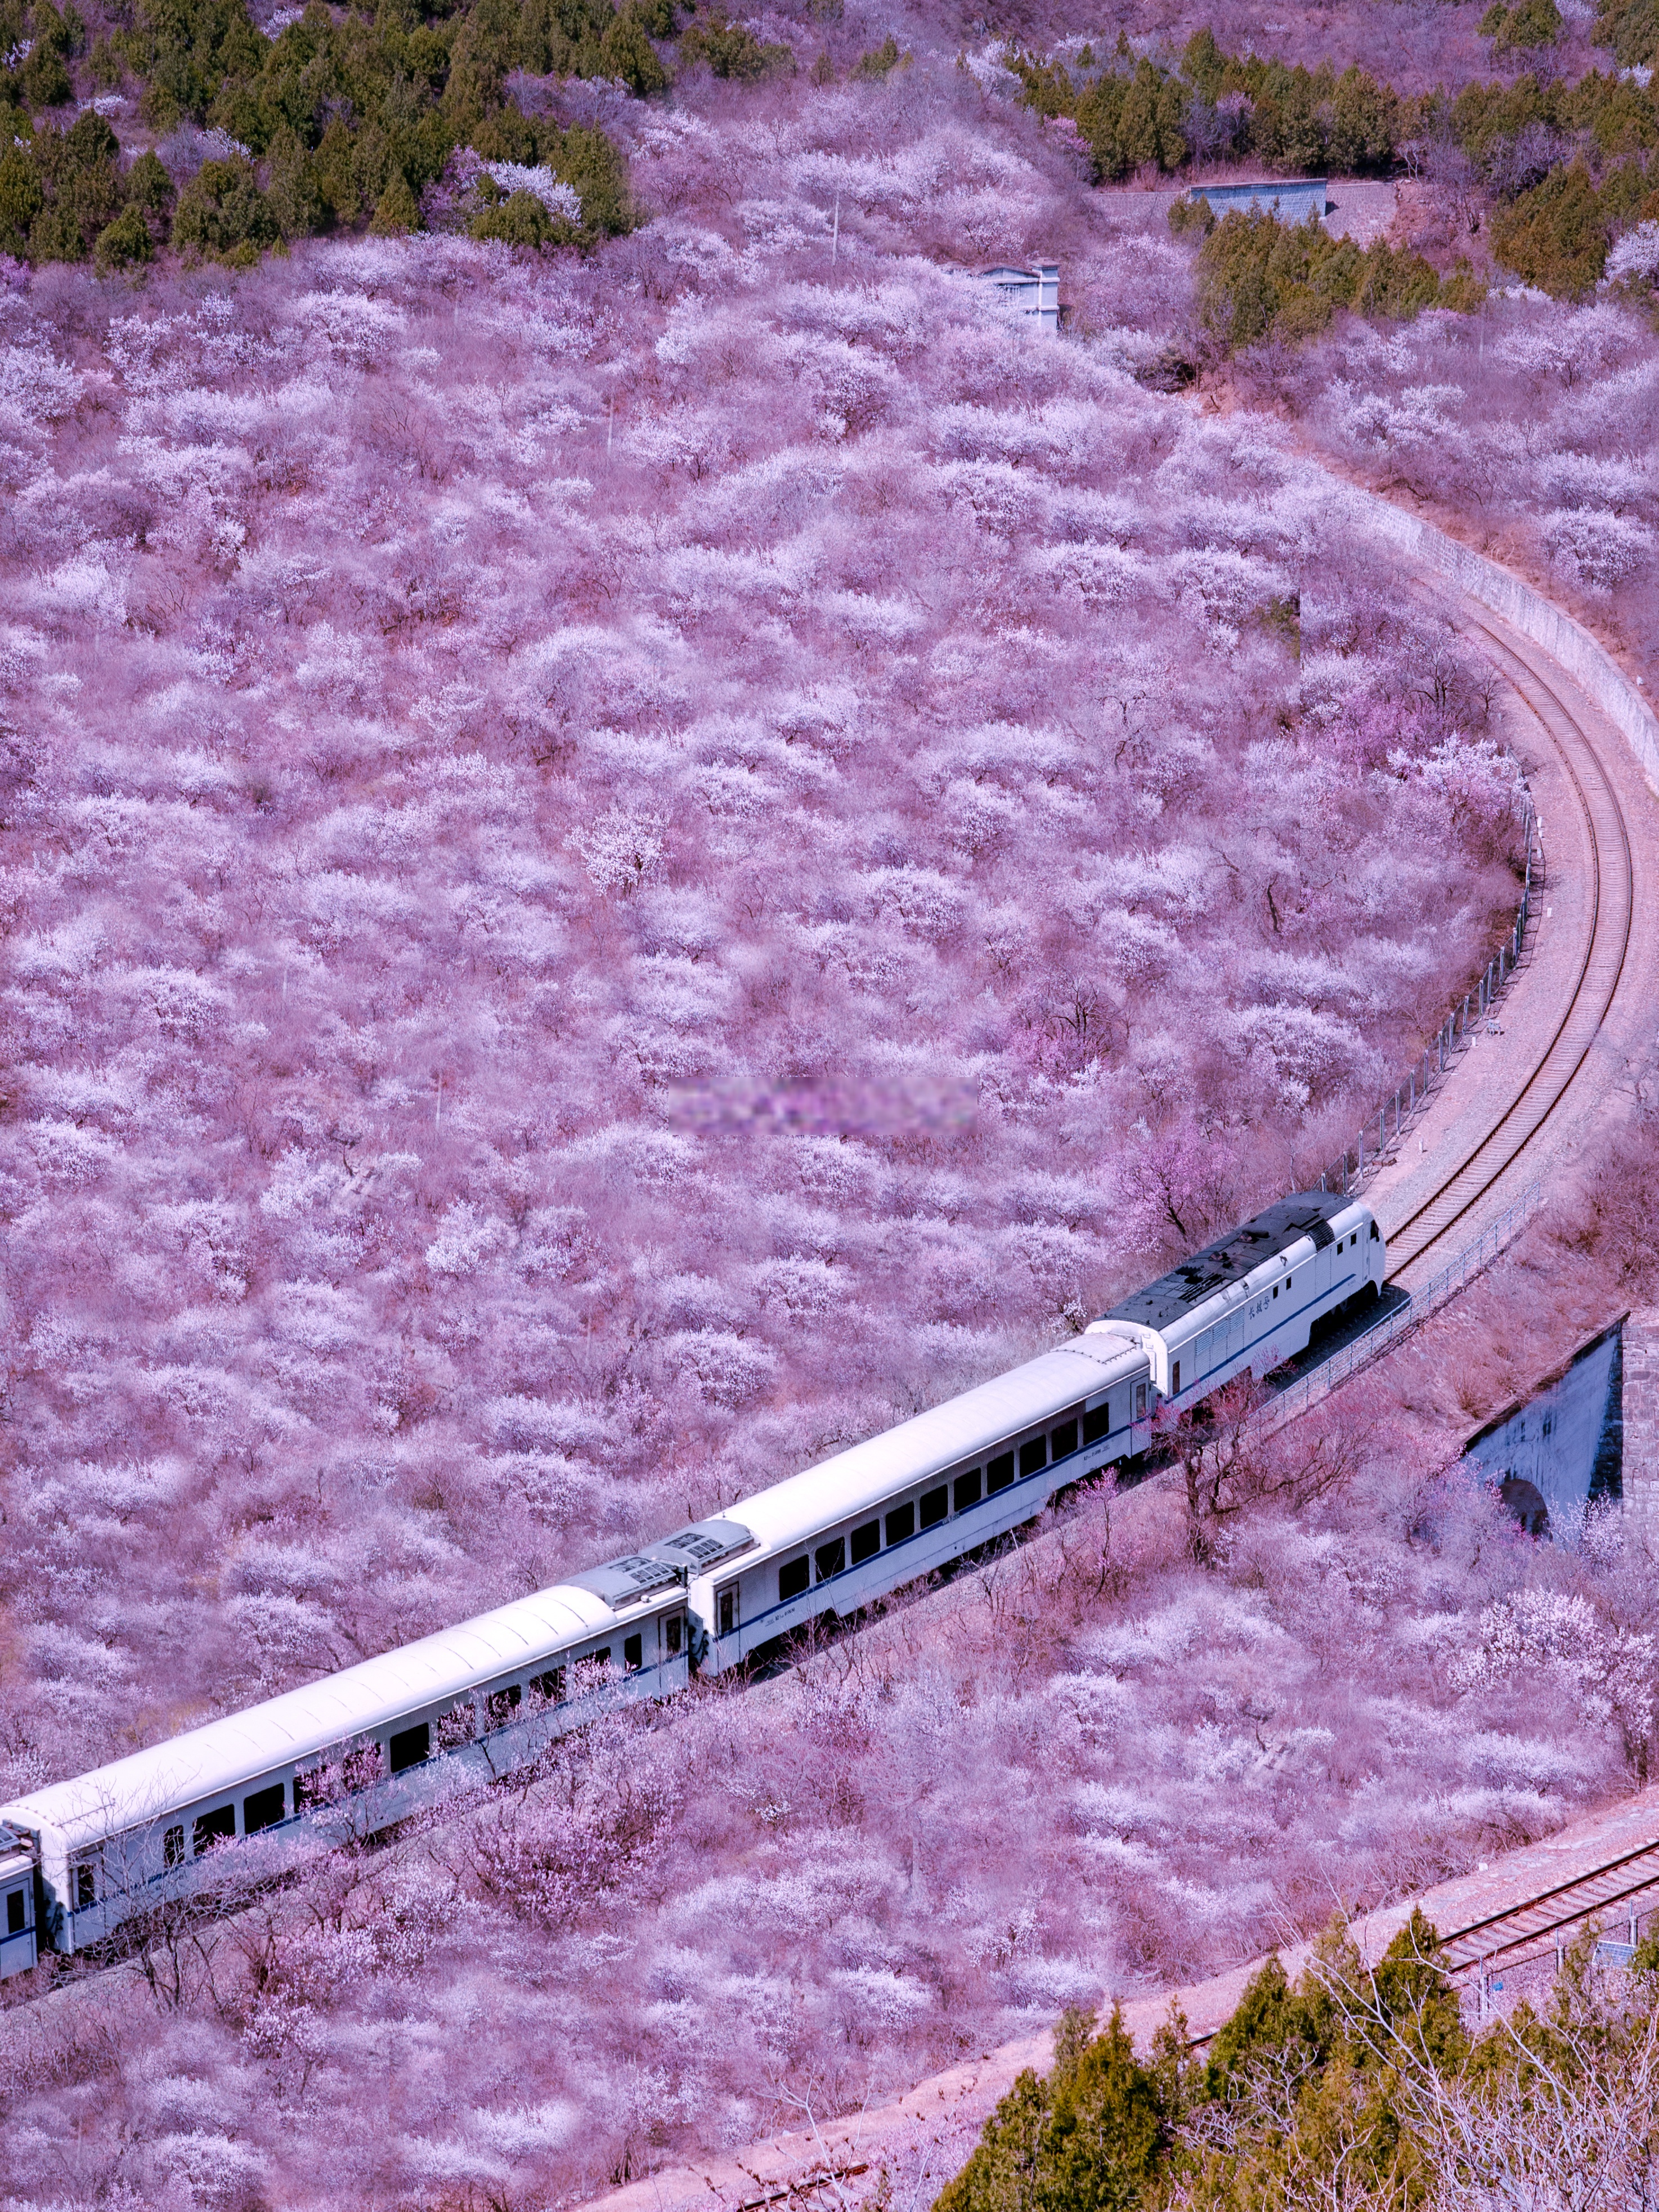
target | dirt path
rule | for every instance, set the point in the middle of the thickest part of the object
(926, 2136)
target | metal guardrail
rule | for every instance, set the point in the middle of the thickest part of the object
(1287, 1404)
(1362, 1159)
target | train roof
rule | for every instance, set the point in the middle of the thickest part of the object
(945, 1436)
(671, 1559)
(1234, 1256)
(222, 1755)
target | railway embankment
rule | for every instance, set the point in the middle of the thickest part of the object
(1601, 1871)
(1561, 1053)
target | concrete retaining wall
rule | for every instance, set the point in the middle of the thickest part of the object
(1589, 663)
(1641, 1474)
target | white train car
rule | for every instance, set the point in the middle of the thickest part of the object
(1251, 1301)
(79, 1857)
(483, 1696)
(856, 1526)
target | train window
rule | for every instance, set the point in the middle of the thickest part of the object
(550, 1685)
(411, 1747)
(1098, 1422)
(1275, 1290)
(901, 1523)
(1376, 1239)
(999, 1474)
(793, 1578)
(1174, 1380)
(262, 1808)
(671, 1628)
(1062, 1441)
(866, 1542)
(172, 1843)
(967, 1490)
(1141, 1401)
(86, 1883)
(725, 1606)
(211, 1828)
(935, 1505)
(15, 1914)
(500, 1705)
(831, 1558)
(599, 1658)
(1033, 1455)
(633, 1653)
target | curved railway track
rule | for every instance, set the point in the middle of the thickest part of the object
(1423, 1230)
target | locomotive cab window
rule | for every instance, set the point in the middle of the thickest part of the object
(792, 1578)
(14, 1913)
(866, 1542)
(934, 1507)
(633, 1653)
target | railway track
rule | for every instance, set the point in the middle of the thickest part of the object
(1427, 1224)
(1622, 1888)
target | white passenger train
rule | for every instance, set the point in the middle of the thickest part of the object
(79, 1857)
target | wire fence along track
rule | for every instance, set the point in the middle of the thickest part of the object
(1288, 1404)
(1612, 896)
(1358, 1166)
(1612, 899)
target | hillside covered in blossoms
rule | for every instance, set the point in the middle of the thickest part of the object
(637, 835)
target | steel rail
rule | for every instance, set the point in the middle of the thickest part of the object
(1606, 945)
(1548, 1913)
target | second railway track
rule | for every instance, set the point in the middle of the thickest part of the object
(1423, 1220)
